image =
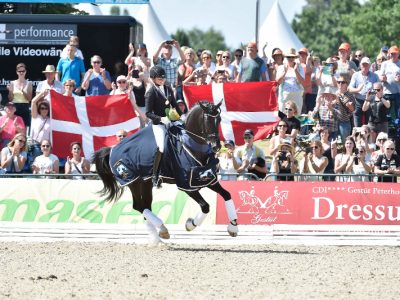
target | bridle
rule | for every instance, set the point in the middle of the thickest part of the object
(207, 116)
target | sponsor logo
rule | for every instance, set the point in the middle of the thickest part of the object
(263, 211)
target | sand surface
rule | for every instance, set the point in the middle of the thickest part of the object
(67, 270)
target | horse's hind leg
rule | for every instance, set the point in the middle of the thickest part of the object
(142, 199)
(229, 206)
(205, 209)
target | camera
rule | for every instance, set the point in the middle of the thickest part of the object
(282, 155)
(356, 156)
(135, 73)
(169, 42)
(221, 71)
(372, 92)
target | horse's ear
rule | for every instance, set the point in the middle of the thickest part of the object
(219, 104)
(202, 105)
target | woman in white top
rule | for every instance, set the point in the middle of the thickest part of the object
(342, 160)
(13, 156)
(40, 123)
(314, 162)
(77, 164)
(280, 138)
(47, 163)
(290, 77)
(359, 164)
(227, 162)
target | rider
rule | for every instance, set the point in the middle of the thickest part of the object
(159, 97)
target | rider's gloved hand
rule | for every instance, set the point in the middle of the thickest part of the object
(165, 120)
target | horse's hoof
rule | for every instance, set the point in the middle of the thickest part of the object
(164, 234)
(233, 230)
(190, 224)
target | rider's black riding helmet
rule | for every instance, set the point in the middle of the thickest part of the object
(157, 72)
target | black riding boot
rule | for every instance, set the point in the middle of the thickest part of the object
(156, 169)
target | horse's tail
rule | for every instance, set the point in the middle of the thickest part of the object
(111, 189)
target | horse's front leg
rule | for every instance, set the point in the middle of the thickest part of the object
(230, 208)
(192, 223)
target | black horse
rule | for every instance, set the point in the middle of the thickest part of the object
(129, 164)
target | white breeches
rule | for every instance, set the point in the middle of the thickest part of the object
(159, 134)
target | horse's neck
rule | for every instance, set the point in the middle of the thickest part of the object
(199, 148)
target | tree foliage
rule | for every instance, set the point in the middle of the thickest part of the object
(197, 39)
(374, 25)
(322, 24)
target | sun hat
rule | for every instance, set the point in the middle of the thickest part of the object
(286, 144)
(291, 53)
(365, 60)
(344, 46)
(303, 50)
(277, 52)
(49, 69)
(394, 49)
(121, 77)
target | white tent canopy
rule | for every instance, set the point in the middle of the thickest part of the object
(277, 31)
(153, 31)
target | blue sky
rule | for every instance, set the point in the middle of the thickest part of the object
(234, 18)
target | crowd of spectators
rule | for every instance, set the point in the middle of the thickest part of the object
(353, 103)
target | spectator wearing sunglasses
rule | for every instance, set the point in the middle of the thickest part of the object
(314, 162)
(13, 156)
(47, 163)
(50, 83)
(40, 124)
(359, 164)
(289, 116)
(387, 163)
(380, 140)
(20, 92)
(238, 55)
(97, 80)
(378, 108)
(361, 83)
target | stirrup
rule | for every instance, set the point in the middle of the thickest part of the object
(156, 182)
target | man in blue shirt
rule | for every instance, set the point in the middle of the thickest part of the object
(71, 67)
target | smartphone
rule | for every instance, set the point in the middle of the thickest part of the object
(135, 73)
(326, 69)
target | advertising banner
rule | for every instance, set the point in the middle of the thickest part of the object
(313, 203)
(77, 201)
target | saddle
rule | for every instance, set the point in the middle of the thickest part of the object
(133, 158)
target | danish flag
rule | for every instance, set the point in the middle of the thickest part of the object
(247, 105)
(92, 120)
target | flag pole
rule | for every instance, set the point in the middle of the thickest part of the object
(257, 14)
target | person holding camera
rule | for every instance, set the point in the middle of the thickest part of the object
(284, 162)
(250, 157)
(314, 162)
(388, 163)
(378, 108)
(167, 62)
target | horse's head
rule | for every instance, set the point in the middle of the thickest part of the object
(204, 121)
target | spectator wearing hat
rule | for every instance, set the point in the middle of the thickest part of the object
(381, 138)
(20, 93)
(159, 97)
(305, 60)
(10, 124)
(284, 162)
(378, 108)
(277, 56)
(250, 157)
(344, 65)
(122, 88)
(71, 67)
(50, 83)
(290, 77)
(227, 163)
(324, 111)
(361, 83)
(384, 51)
(390, 76)
(167, 62)
(97, 80)
(183, 108)
(252, 68)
